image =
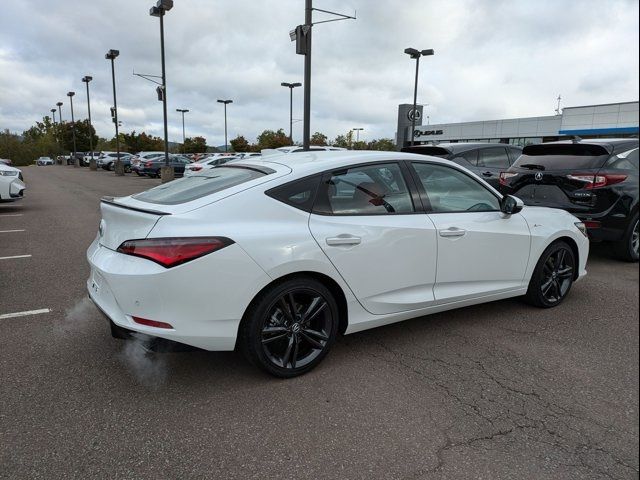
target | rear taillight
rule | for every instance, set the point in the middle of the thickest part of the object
(504, 176)
(148, 164)
(170, 252)
(195, 168)
(597, 181)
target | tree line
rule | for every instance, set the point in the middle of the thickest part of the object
(46, 138)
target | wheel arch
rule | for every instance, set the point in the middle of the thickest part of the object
(574, 248)
(330, 283)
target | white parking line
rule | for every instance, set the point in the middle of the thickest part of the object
(10, 231)
(11, 214)
(15, 256)
(24, 314)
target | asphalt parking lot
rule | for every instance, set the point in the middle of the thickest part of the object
(501, 390)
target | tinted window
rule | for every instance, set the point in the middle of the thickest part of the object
(493, 158)
(365, 190)
(299, 194)
(564, 156)
(471, 156)
(427, 150)
(625, 161)
(190, 188)
(449, 190)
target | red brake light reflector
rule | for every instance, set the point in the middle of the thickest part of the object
(151, 323)
(173, 251)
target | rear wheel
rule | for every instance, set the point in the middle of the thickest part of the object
(127, 169)
(627, 248)
(290, 327)
(553, 276)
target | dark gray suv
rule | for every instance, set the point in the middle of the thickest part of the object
(486, 160)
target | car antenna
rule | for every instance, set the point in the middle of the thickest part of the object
(576, 139)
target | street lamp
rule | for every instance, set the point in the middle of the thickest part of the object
(92, 163)
(112, 55)
(226, 102)
(159, 10)
(76, 163)
(182, 111)
(59, 104)
(413, 53)
(357, 130)
(291, 86)
(53, 115)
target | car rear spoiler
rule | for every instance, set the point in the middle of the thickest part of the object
(112, 201)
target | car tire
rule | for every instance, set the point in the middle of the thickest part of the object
(112, 166)
(127, 169)
(627, 248)
(553, 276)
(290, 327)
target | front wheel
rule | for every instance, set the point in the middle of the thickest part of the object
(290, 327)
(553, 276)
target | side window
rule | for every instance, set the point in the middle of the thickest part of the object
(493, 158)
(514, 153)
(377, 189)
(625, 161)
(471, 156)
(299, 193)
(449, 190)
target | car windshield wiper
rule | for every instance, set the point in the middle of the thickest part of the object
(532, 166)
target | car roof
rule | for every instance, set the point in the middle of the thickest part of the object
(308, 163)
(455, 147)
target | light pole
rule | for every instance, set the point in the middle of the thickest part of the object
(59, 105)
(53, 114)
(291, 86)
(413, 53)
(226, 102)
(159, 10)
(182, 111)
(357, 130)
(76, 163)
(112, 55)
(92, 163)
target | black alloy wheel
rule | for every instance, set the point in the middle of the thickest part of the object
(290, 327)
(553, 276)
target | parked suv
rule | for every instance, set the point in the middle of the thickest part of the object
(486, 160)
(596, 180)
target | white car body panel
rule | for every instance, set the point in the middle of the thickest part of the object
(10, 184)
(401, 269)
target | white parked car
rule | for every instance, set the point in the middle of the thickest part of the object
(278, 256)
(42, 161)
(206, 164)
(11, 183)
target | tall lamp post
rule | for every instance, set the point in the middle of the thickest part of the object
(159, 10)
(182, 111)
(76, 163)
(357, 130)
(226, 102)
(92, 163)
(291, 86)
(414, 53)
(112, 55)
(59, 105)
(53, 115)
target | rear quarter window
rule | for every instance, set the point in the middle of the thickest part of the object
(190, 188)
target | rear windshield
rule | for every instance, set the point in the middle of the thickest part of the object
(433, 151)
(189, 188)
(563, 156)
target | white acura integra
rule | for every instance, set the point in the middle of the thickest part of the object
(278, 257)
(11, 183)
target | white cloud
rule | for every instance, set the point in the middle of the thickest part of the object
(494, 59)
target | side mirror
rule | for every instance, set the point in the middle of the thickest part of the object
(510, 205)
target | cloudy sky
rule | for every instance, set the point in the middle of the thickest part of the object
(494, 59)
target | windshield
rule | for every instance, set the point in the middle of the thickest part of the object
(196, 186)
(562, 156)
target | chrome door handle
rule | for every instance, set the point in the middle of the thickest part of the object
(452, 232)
(487, 174)
(343, 240)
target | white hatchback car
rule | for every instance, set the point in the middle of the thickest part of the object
(279, 256)
(11, 183)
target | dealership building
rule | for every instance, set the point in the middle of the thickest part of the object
(589, 121)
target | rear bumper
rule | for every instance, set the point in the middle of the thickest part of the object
(203, 300)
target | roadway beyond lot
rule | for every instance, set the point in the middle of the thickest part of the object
(501, 390)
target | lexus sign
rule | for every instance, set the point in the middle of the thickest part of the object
(426, 133)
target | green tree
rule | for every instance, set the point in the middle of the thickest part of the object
(84, 132)
(318, 139)
(195, 145)
(240, 144)
(359, 145)
(385, 144)
(142, 142)
(271, 139)
(341, 141)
